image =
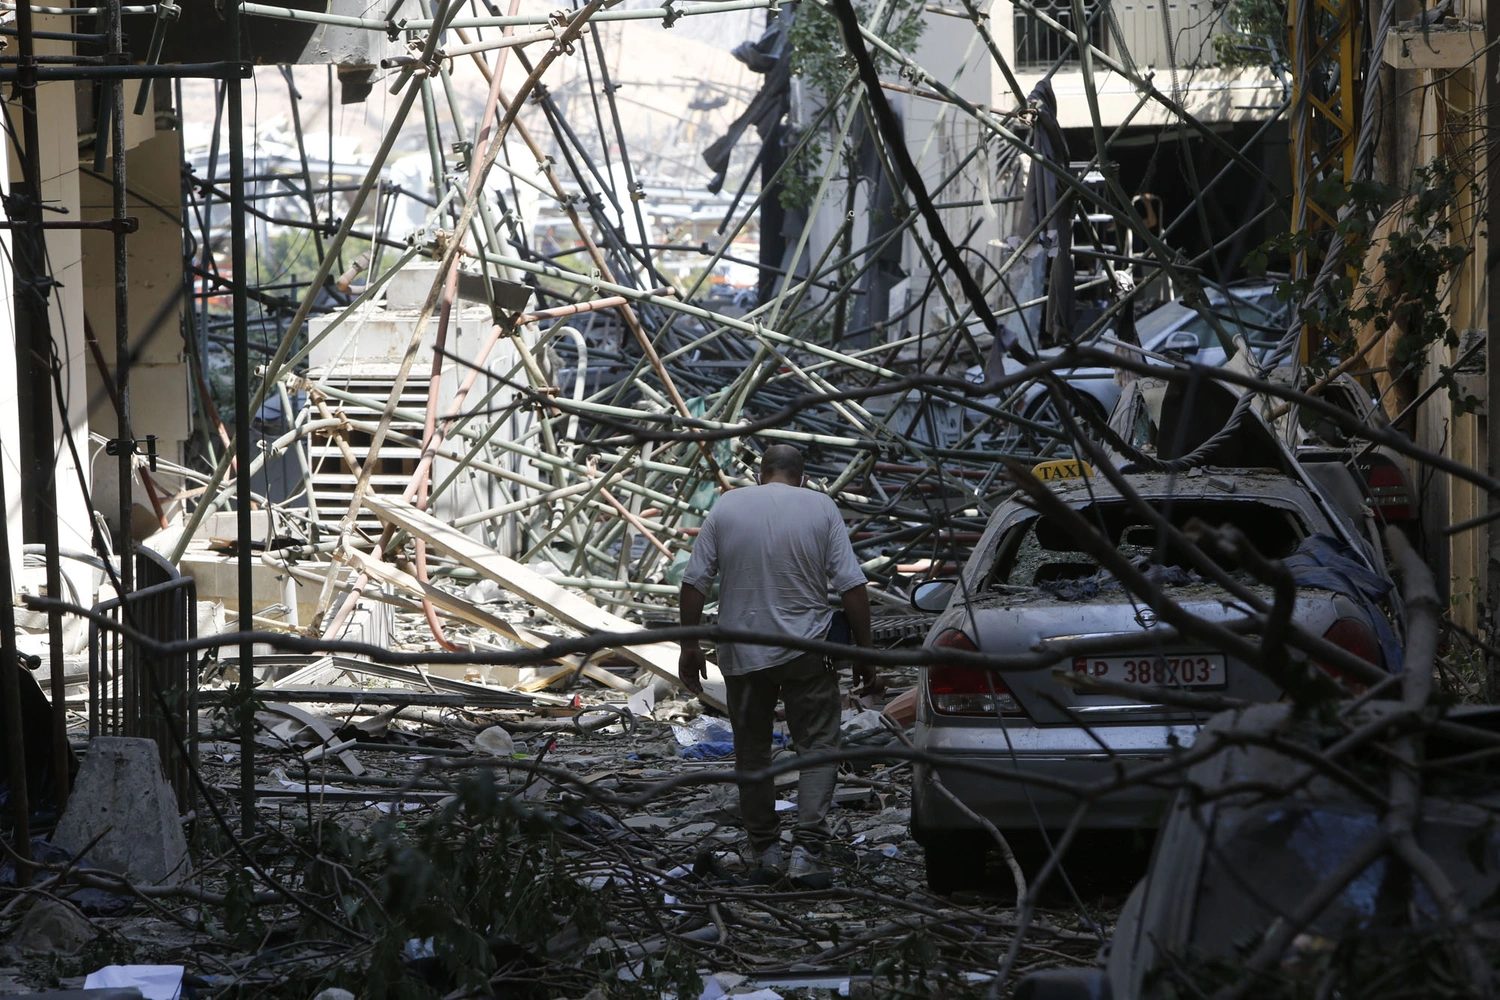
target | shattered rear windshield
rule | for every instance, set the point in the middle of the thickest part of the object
(1039, 553)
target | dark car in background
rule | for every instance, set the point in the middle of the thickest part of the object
(1231, 863)
(1172, 331)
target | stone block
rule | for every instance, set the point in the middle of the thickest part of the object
(50, 927)
(120, 793)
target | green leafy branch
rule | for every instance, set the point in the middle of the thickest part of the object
(1406, 293)
(1252, 33)
(824, 65)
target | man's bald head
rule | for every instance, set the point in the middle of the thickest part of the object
(781, 463)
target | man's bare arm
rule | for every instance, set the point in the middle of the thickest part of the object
(690, 606)
(691, 667)
(856, 602)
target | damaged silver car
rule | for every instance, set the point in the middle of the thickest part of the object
(1030, 583)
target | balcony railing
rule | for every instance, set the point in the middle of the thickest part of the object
(1039, 45)
(1182, 37)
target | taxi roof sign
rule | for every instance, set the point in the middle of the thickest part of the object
(1062, 468)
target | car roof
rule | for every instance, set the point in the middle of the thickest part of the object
(1174, 311)
(1201, 483)
(1164, 316)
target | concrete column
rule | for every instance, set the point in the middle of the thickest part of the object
(160, 397)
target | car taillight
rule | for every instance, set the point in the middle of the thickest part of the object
(1389, 494)
(957, 690)
(1354, 636)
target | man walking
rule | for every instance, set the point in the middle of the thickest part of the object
(777, 548)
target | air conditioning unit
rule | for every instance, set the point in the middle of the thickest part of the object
(355, 371)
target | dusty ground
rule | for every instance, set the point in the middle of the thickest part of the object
(576, 863)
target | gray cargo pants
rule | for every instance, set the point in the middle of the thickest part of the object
(811, 693)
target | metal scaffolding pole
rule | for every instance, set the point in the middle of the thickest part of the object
(35, 353)
(242, 452)
(10, 697)
(124, 432)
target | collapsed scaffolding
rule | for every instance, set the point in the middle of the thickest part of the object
(735, 366)
(459, 402)
(605, 483)
(583, 401)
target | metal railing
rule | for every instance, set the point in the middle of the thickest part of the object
(1181, 36)
(133, 692)
(1038, 45)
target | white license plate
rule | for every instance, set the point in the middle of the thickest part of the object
(1206, 670)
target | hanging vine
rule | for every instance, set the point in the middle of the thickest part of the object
(1401, 242)
(823, 67)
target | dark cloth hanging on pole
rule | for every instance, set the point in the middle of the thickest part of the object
(1046, 204)
(1045, 199)
(765, 111)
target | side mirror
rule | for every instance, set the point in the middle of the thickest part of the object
(933, 595)
(1181, 343)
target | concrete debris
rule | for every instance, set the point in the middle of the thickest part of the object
(123, 812)
(496, 742)
(50, 927)
(685, 851)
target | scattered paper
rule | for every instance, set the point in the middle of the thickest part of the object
(642, 702)
(156, 982)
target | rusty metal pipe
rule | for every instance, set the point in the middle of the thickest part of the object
(431, 434)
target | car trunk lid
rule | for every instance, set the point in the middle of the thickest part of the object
(1112, 641)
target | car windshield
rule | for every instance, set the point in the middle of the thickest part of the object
(1163, 317)
(1249, 316)
(1259, 316)
(1040, 552)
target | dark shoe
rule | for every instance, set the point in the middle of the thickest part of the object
(769, 867)
(708, 869)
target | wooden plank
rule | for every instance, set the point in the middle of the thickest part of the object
(597, 674)
(572, 609)
(902, 709)
(475, 615)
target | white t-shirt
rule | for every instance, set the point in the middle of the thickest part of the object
(776, 550)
